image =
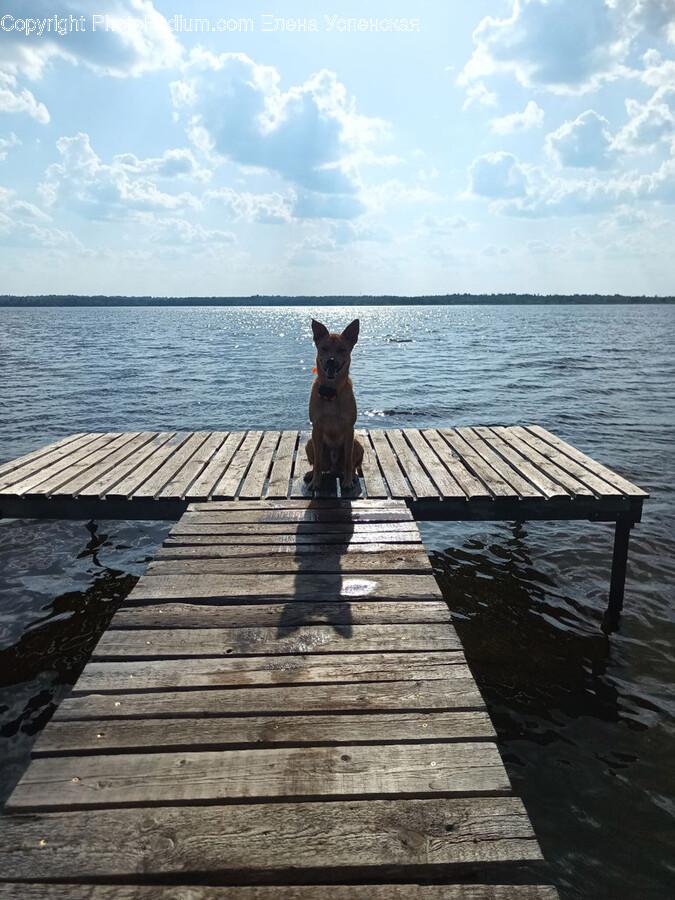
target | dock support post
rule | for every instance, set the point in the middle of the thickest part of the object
(618, 578)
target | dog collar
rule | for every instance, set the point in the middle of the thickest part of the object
(327, 393)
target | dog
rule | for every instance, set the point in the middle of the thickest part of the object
(332, 408)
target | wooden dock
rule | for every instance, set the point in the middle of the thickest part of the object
(281, 709)
(514, 473)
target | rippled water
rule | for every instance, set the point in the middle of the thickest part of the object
(585, 721)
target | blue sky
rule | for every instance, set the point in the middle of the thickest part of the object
(501, 145)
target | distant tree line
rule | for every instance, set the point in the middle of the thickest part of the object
(333, 300)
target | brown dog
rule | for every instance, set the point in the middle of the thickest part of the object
(332, 408)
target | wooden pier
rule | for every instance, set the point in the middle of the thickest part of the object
(281, 709)
(514, 473)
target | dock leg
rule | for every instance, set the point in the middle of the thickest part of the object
(618, 578)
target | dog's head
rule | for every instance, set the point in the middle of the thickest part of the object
(334, 351)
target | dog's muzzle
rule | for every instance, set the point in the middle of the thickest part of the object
(331, 367)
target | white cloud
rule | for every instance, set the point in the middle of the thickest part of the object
(265, 209)
(566, 46)
(180, 231)
(538, 247)
(379, 197)
(650, 123)
(583, 143)
(171, 164)
(120, 52)
(479, 94)
(7, 144)
(497, 175)
(22, 225)
(310, 135)
(444, 225)
(348, 233)
(531, 117)
(84, 184)
(20, 100)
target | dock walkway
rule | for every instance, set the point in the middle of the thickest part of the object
(283, 702)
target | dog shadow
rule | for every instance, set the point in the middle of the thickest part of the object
(318, 596)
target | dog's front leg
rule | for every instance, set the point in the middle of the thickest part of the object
(348, 475)
(317, 467)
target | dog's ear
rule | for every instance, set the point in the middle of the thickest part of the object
(320, 331)
(351, 333)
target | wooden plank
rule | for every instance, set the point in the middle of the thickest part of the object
(492, 479)
(410, 561)
(318, 587)
(300, 516)
(101, 486)
(33, 482)
(149, 644)
(473, 487)
(314, 503)
(348, 770)
(516, 438)
(83, 472)
(280, 476)
(187, 840)
(450, 693)
(372, 476)
(170, 469)
(204, 486)
(300, 466)
(622, 484)
(278, 892)
(179, 485)
(206, 547)
(227, 487)
(294, 531)
(11, 465)
(227, 671)
(122, 490)
(444, 481)
(110, 735)
(522, 487)
(394, 477)
(191, 615)
(411, 465)
(522, 465)
(109, 461)
(597, 486)
(254, 483)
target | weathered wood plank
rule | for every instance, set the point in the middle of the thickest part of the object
(199, 615)
(278, 892)
(236, 516)
(227, 671)
(259, 469)
(439, 474)
(317, 503)
(398, 561)
(515, 438)
(372, 476)
(473, 487)
(146, 644)
(613, 478)
(522, 487)
(108, 462)
(492, 479)
(90, 782)
(411, 465)
(522, 465)
(32, 483)
(296, 531)
(164, 477)
(209, 478)
(280, 476)
(179, 485)
(19, 469)
(227, 487)
(300, 466)
(319, 587)
(85, 470)
(114, 735)
(122, 470)
(394, 477)
(204, 547)
(122, 490)
(455, 692)
(186, 840)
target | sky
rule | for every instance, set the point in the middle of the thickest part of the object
(432, 147)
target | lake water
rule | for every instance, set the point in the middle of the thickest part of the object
(585, 721)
